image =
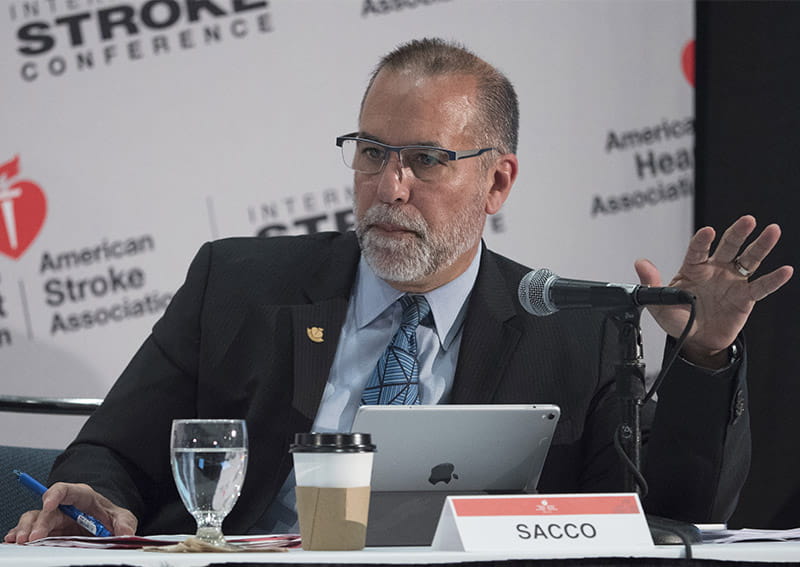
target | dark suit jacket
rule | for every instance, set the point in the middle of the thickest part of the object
(233, 344)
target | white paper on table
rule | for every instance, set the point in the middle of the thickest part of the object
(749, 534)
(247, 543)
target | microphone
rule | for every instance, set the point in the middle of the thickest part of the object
(541, 292)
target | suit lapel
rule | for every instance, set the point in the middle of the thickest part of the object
(316, 336)
(490, 336)
(317, 325)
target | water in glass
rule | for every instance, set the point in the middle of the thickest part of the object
(209, 464)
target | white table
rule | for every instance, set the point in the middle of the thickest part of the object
(24, 556)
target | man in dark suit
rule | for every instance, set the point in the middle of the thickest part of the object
(284, 332)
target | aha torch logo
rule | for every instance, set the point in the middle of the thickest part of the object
(23, 208)
(687, 62)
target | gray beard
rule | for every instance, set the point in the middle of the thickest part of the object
(425, 253)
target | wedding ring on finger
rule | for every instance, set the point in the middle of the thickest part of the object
(741, 269)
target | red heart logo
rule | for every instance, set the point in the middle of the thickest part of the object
(23, 208)
(687, 62)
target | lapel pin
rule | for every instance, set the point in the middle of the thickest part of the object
(315, 334)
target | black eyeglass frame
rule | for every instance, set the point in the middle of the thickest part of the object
(451, 155)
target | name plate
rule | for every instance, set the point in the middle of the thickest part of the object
(552, 522)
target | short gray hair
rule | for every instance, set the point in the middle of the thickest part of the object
(498, 108)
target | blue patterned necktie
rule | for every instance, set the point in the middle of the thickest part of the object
(395, 379)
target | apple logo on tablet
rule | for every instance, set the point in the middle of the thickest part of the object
(443, 473)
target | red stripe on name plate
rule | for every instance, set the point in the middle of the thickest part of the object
(543, 505)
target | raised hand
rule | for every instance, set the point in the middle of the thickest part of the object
(724, 287)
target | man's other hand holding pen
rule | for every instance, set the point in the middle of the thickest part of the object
(52, 521)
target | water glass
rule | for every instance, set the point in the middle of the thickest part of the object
(209, 460)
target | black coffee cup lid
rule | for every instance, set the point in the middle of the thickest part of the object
(332, 443)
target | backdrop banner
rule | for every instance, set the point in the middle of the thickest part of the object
(135, 131)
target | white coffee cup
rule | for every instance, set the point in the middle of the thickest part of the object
(333, 473)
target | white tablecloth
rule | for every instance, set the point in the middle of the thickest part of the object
(24, 556)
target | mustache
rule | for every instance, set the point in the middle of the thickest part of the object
(388, 214)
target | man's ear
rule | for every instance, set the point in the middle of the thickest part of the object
(503, 173)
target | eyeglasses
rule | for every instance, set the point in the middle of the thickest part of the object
(427, 163)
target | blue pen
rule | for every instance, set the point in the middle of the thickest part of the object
(90, 524)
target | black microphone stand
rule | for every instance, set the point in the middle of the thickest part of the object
(631, 390)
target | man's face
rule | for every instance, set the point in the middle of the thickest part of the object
(417, 234)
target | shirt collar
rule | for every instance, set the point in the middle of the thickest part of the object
(373, 297)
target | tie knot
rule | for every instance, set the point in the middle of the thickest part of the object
(415, 309)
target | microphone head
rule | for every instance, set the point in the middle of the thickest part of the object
(534, 292)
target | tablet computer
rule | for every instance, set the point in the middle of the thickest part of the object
(425, 453)
(458, 448)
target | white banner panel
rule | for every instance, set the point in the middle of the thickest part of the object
(134, 131)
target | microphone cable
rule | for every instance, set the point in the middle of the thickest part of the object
(673, 354)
